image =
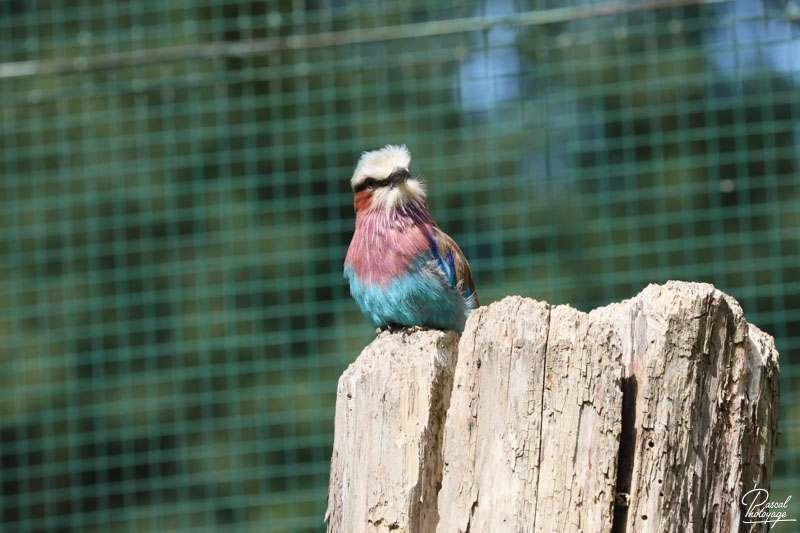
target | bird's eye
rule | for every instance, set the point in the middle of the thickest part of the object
(367, 184)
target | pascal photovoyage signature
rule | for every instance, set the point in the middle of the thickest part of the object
(760, 510)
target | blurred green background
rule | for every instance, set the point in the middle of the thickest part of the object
(175, 210)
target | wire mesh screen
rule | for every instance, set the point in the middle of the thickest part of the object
(176, 210)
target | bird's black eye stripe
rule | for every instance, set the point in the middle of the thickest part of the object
(369, 183)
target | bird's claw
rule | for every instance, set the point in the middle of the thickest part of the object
(395, 328)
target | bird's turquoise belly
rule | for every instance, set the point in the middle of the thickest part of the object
(421, 297)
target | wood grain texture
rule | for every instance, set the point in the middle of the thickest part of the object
(654, 414)
(390, 409)
(705, 386)
(532, 431)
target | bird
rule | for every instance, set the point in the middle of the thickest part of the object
(404, 271)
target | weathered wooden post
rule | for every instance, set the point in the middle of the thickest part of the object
(654, 414)
(391, 403)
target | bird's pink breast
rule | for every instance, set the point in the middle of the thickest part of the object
(386, 243)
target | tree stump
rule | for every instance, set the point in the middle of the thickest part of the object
(390, 409)
(654, 414)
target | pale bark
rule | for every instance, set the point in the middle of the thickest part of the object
(705, 386)
(531, 435)
(390, 409)
(654, 414)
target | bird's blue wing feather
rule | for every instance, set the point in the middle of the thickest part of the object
(448, 267)
(455, 267)
(451, 269)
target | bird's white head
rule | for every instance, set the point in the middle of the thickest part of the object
(381, 179)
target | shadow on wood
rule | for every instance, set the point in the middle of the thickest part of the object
(654, 414)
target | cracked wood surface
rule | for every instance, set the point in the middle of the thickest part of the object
(532, 433)
(706, 408)
(390, 409)
(666, 403)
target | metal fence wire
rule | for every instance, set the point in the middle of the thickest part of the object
(175, 210)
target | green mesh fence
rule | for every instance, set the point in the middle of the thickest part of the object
(175, 211)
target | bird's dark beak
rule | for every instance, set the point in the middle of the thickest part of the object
(398, 176)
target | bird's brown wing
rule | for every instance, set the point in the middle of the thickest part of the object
(448, 246)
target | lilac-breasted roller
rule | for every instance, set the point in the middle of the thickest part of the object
(403, 270)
